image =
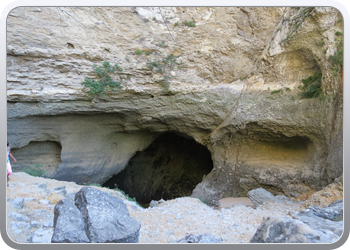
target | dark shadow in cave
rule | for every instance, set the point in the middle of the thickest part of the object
(170, 167)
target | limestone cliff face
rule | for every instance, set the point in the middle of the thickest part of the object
(221, 96)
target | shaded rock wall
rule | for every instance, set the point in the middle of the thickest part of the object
(221, 96)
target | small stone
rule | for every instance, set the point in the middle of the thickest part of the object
(18, 217)
(34, 224)
(45, 202)
(48, 224)
(18, 203)
(42, 186)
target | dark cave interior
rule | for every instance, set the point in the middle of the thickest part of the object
(170, 167)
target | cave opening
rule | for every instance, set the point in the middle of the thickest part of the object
(44, 155)
(170, 167)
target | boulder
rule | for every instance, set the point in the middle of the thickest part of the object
(68, 223)
(202, 238)
(106, 216)
(323, 218)
(260, 195)
(333, 212)
(103, 217)
(287, 230)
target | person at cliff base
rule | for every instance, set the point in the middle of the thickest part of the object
(9, 168)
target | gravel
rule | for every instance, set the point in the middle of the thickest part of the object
(168, 221)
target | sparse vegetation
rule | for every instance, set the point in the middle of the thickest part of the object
(164, 66)
(127, 196)
(104, 80)
(277, 91)
(138, 52)
(35, 170)
(161, 44)
(312, 86)
(95, 185)
(320, 43)
(297, 21)
(116, 189)
(336, 60)
(189, 23)
(176, 24)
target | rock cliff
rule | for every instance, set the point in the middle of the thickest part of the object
(235, 94)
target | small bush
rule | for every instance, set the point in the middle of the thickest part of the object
(164, 66)
(189, 23)
(138, 52)
(312, 86)
(276, 91)
(104, 80)
(176, 24)
(320, 43)
(161, 44)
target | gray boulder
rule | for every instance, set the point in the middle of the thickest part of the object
(103, 217)
(333, 212)
(68, 223)
(106, 216)
(260, 196)
(323, 218)
(287, 230)
(202, 238)
(70, 196)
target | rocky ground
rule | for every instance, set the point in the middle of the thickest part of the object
(31, 201)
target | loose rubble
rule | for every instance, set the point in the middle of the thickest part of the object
(31, 202)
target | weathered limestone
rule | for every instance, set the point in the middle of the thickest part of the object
(94, 217)
(221, 97)
(287, 230)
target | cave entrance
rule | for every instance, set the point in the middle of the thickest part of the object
(38, 155)
(170, 167)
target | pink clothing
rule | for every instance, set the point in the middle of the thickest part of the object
(9, 169)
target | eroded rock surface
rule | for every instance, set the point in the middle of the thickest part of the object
(231, 61)
(94, 217)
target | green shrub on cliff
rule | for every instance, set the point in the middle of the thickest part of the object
(312, 86)
(103, 81)
(336, 60)
(189, 23)
(164, 67)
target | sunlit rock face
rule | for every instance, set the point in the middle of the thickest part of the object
(235, 94)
